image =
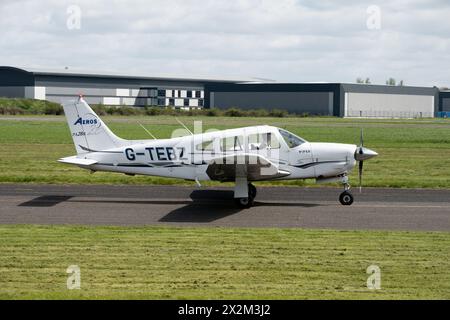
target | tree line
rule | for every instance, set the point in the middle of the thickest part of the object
(389, 82)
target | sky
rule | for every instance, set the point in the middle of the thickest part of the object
(274, 40)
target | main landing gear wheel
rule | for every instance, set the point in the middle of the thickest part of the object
(346, 198)
(244, 202)
(252, 191)
(247, 202)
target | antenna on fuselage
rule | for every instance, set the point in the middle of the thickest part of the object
(184, 126)
(149, 133)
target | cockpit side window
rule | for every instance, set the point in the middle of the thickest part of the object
(260, 141)
(291, 139)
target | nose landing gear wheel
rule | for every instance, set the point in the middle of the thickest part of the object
(346, 198)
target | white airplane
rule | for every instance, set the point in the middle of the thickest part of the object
(241, 155)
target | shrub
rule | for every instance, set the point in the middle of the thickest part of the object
(234, 112)
(11, 110)
(278, 113)
(53, 109)
(126, 111)
(258, 113)
(152, 111)
(110, 110)
(212, 112)
(100, 109)
(30, 106)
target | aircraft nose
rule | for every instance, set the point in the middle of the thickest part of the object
(362, 154)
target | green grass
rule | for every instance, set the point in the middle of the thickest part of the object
(216, 263)
(208, 263)
(413, 153)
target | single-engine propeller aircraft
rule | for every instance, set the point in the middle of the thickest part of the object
(242, 155)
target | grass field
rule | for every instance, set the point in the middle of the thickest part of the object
(413, 153)
(171, 263)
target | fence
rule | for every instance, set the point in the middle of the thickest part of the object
(352, 113)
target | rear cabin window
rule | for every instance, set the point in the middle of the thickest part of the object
(231, 144)
(206, 146)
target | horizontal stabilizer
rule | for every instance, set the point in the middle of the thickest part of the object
(78, 161)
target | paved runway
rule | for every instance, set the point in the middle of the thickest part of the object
(381, 209)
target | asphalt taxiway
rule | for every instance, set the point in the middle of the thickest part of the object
(284, 207)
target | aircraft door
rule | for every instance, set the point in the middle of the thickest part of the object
(265, 144)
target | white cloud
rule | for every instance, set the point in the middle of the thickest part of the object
(287, 40)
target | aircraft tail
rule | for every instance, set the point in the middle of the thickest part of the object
(89, 132)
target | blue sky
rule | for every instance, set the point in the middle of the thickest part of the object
(284, 40)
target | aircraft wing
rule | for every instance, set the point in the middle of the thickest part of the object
(252, 166)
(78, 161)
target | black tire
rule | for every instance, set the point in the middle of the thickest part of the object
(346, 198)
(252, 191)
(244, 203)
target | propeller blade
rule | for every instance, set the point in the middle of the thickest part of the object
(361, 139)
(361, 165)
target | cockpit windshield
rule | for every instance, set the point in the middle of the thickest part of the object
(291, 139)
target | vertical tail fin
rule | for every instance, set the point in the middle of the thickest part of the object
(89, 132)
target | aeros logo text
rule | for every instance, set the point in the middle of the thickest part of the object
(86, 121)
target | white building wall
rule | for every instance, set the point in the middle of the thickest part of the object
(179, 102)
(111, 101)
(123, 92)
(129, 101)
(388, 105)
(135, 92)
(193, 102)
(38, 93)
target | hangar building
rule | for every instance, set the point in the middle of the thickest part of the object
(107, 89)
(330, 99)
